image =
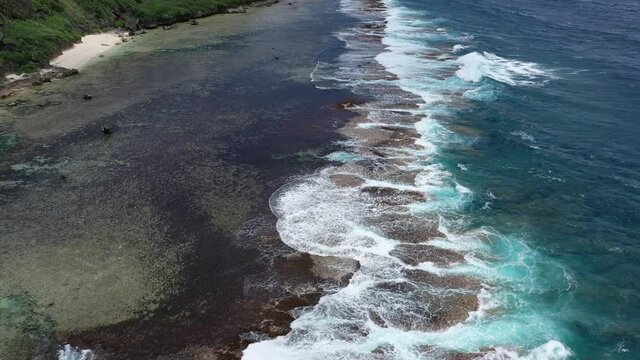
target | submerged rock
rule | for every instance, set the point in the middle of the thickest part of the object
(415, 254)
(336, 268)
(407, 228)
(348, 104)
(419, 309)
(443, 282)
(392, 196)
(346, 180)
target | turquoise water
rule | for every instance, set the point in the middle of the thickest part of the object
(557, 163)
(529, 159)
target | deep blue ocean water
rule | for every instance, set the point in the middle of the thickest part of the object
(563, 159)
(529, 159)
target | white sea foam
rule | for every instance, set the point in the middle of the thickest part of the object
(482, 93)
(523, 135)
(474, 66)
(486, 303)
(458, 47)
(319, 217)
(68, 352)
(343, 156)
(552, 350)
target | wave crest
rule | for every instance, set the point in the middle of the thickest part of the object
(474, 66)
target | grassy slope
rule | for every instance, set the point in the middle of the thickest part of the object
(35, 30)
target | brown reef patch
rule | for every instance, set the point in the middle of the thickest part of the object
(415, 254)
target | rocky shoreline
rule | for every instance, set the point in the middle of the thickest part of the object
(9, 88)
(361, 208)
(10, 84)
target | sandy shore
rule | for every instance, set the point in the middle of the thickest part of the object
(81, 54)
(89, 48)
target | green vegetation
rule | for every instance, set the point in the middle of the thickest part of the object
(33, 31)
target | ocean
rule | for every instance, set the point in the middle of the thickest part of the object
(489, 186)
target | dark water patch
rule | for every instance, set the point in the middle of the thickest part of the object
(179, 190)
(225, 43)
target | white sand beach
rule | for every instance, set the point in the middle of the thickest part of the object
(90, 47)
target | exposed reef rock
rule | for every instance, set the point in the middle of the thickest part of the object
(39, 78)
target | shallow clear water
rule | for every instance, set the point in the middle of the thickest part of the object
(529, 156)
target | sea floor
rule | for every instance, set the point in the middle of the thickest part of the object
(157, 241)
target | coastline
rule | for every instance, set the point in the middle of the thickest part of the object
(377, 178)
(95, 45)
(87, 50)
(415, 167)
(157, 240)
(79, 55)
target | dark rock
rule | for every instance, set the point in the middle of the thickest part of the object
(107, 129)
(194, 22)
(376, 319)
(346, 180)
(48, 103)
(87, 97)
(117, 10)
(334, 268)
(407, 228)
(421, 310)
(150, 24)
(416, 254)
(443, 282)
(132, 24)
(464, 356)
(372, 26)
(391, 196)
(348, 104)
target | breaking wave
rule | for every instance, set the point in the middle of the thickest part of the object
(68, 352)
(474, 66)
(432, 284)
